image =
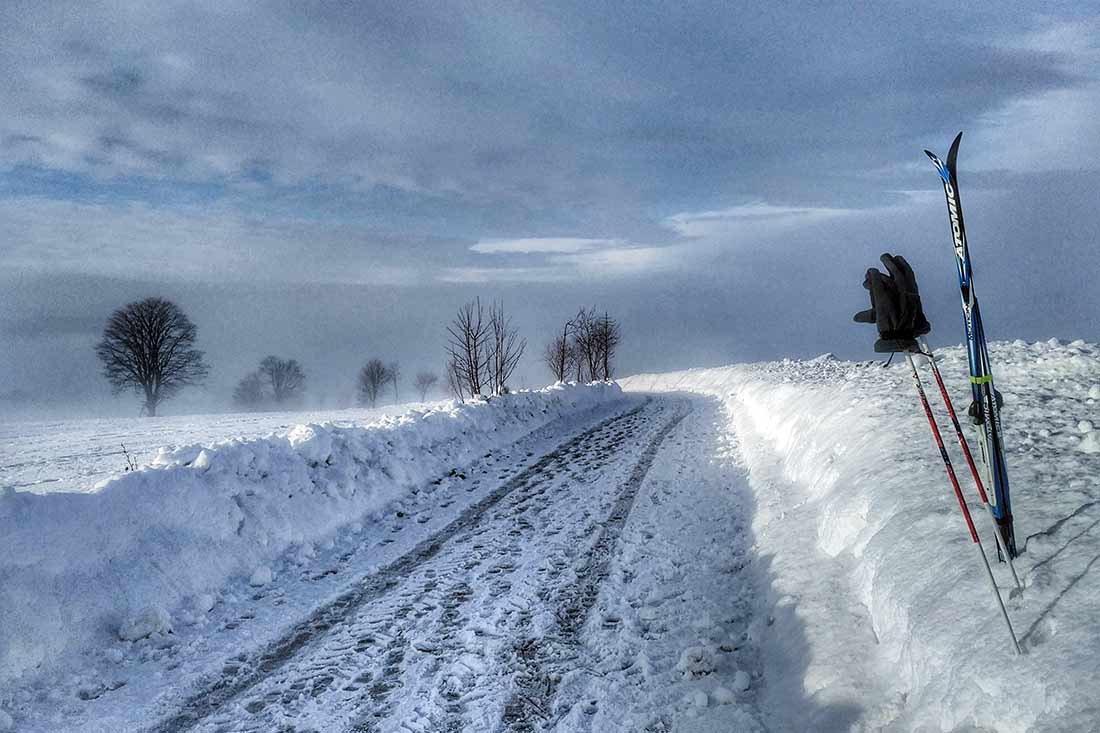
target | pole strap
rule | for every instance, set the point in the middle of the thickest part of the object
(981, 380)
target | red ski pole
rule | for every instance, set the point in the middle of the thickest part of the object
(969, 458)
(958, 495)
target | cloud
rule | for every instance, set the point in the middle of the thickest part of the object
(204, 243)
(532, 245)
(553, 259)
(753, 219)
(1046, 129)
(478, 275)
(513, 106)
(621, 261)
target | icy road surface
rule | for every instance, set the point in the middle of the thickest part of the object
(596, 585)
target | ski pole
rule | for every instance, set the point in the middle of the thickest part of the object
(969, 458)
(958, 495)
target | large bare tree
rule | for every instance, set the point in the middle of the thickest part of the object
(285, 377)
(424, 382)
(149, 346)
(506, 348)
(469, 348)
(372, 378)
(249, 393)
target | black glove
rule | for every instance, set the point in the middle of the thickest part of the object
(895, 306)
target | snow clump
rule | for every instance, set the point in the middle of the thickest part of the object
(1090, 443)
(723, 696)
(151, 620)
(696, 661)
(261, 576)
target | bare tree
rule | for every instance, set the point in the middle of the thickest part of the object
(469, 348)
(393, 372)
(607, 336)
(586, 344)
(424, 382)
(372, 378)
(285, 376)
(506, 348)
(148, 346)
(249, 393)
(559, 354)
(454, 380)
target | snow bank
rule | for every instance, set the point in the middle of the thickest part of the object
(881, 613)
(47, 456)
(80, 569)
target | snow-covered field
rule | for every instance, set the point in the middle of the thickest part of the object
(756, 547)
(75, 455)
(880, 606)
(77, 569)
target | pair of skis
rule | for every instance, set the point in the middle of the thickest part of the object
(985, 408)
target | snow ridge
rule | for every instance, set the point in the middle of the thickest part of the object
(869, 557)
(79, 569)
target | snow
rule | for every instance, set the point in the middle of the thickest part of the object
(723, 696)
(790, 558)
(878, 612)
(696, 661)
(261, 576)
(151, 620)
(45, 456)
(672, 629)
(79, 568)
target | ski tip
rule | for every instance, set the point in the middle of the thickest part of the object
(945, 174)
(953, 153)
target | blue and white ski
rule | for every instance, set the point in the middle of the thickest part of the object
(985, 411)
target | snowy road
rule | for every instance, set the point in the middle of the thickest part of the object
(549, 593)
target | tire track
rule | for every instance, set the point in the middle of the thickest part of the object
(245, 672)
(542, 661)
(453, 677)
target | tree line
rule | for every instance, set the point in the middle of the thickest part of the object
(149, 346)
(584, 347)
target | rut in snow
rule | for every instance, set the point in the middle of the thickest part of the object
(429, 623)
(541, 662)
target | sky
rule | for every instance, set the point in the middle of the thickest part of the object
(330, 181)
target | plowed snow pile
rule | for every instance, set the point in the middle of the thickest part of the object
(882, 614)
(78, 569)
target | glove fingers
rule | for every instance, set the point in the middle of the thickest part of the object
(867, 316)
(907, 272)
(897, 272)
